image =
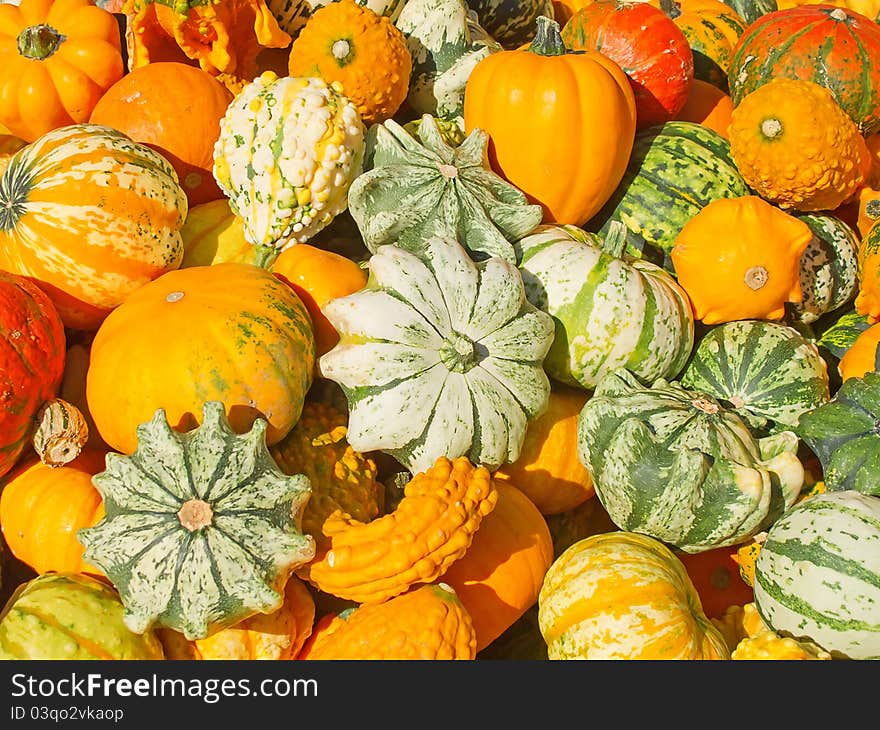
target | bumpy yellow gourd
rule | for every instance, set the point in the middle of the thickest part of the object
(796, 147)
(749, 638)
(431, 527)
(349, 43)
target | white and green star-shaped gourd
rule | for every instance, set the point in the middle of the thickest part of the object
(416, 189)
(439, 356)
(202, 529)
(678, 466)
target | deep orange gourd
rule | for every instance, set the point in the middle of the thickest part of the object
(561, 125)
(863, 356)
(716, 577)
(175, 109)
(57, 58)
(707, 105)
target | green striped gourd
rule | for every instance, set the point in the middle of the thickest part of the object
(751, 10)
(416, 189)
(286, 155)
(676, 465)
(210, 503)
(610, 310)
(70, 616)
(845, 434)
(817, 577)
(765, 371)
(511, 22)
(675, 170)
(829, 266)
(445, 41)
(439, 356)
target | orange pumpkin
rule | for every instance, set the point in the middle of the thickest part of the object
(317, 276)
(716, 576)
(42, 507)
(175, 109)
(575, 113)
(57, 58)
(500, 575)
(548, 469)
(564, 9)
(863, 356)
(867, 301)
(707, 105)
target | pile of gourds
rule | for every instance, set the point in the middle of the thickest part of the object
(366, 329)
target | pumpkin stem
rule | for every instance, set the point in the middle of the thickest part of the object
(195, 514)
(701, 404)
(756, 277)
(771, 128)
(265, 255)
(39, 41)
(458, 353)
(341, 51)
(548, 40)
(614, 242)
(61, 432)
(671, 8)
(872, 208)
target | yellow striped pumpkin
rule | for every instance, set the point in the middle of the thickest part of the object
(623, 595)
(90, 216)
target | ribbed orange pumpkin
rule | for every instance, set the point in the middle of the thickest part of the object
(228, 332)
(42, 507)
(175, 109)
(500, 575)
(575, 113)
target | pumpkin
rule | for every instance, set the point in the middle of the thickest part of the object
(445, 41)
(211, 328)
(839, 334)
(32, 354)
(418, 188)
(676, 167)
(867, 301)
(175, 109)
(348, 43)
(213, 234)
(224, 37)
(796, 147)
(548, 470)
(287, 153)
(500, 574)
(650, 49)
(431, 528)
(739, 258)
(610, 310)
(266, 636)
(716, 578)
(317, 276)
(707, 105)
(816, 575)
(426, 623)
(511, 22)
(452, 347)
(91, 216)
(563, 10)
(767, 372)
(712, 30)
(575, 89)
(843, 434)
(214, 504)
(58, 57)
(677, 465)
(832, 47)
(863, 356)
(70, 616)
(42, 507)
(622, 595)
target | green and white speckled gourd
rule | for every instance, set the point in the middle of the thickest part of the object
(676, 465)
(439, 356)
(817, 577)
(446, 41)
(765, 371)
(416, 189)
(611, 310)
(202, 529)
(286, 155)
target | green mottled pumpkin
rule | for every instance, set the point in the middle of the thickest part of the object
(209, 502)
(439, 356)
(610, 310)
(677, 465)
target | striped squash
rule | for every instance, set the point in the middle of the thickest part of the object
(768, 373)
(90, 216)
(70, 616)
(511, 22)
(610, 310)
(678, 466)
(833, 47)
(212, 504)
(439, 356)
(677, 168)
(622, 595)
(751, 10)
(816, 577)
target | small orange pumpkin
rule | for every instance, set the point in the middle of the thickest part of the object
(863, 356)
(707, 105)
